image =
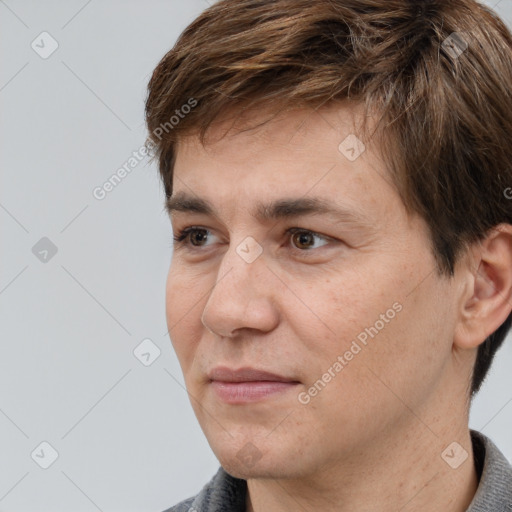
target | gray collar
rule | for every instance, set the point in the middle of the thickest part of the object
(494, 493)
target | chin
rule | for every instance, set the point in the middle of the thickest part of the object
(261, 469)
(247, 459)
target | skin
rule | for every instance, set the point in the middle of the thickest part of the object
(372, 438)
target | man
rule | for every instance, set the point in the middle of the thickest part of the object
(338, 180)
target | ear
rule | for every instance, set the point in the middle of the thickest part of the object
(488, 300)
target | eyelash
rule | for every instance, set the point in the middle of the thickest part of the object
(179, 238)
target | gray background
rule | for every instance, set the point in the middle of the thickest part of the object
(125, 433)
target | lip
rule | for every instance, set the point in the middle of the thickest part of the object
(247, 374)
(246, 385)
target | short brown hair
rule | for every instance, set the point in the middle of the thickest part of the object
(439, 72)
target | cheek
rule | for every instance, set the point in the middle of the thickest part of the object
(184, 290)
(334, 312)
(172, 292)
(183, 307)
(372, 321)
(407, 348)
(381, 369)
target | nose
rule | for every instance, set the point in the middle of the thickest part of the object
(242, 297)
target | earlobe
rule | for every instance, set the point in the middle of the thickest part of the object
(491, 300)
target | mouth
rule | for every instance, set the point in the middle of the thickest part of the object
(247, 385)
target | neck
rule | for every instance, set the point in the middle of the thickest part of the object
(405, 473)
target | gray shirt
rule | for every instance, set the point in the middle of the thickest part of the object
(224, 493)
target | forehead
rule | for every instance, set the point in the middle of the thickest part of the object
(291, 128)
(265, 167)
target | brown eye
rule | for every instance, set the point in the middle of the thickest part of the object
(191, 237)
(198, 235)
(305, 240)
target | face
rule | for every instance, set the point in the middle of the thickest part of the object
(337, 307)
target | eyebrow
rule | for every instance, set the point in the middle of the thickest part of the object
(275, 210)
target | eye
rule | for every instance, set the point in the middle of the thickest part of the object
(190, 234)
(303, 240)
